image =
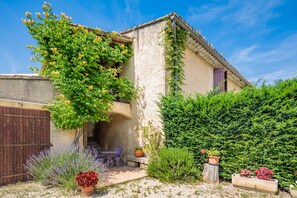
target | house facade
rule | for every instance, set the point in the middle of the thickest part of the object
(204, 69)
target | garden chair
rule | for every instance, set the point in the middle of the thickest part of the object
(118, 155)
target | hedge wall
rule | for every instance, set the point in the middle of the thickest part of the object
(256, 127)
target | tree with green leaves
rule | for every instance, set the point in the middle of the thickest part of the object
(84, 66)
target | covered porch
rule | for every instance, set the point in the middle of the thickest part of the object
(112, 139)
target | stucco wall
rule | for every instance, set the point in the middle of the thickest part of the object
(146, 69)
(198, 74)
(232, 85)
(32, 92)
(26, 88)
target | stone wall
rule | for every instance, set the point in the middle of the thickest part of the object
(32, 92)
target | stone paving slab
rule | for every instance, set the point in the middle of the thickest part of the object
(122, 174)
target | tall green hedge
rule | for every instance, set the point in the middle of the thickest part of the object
(253, 128)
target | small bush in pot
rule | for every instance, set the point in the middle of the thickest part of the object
(138, 152)
(213, 156)
(87, 181)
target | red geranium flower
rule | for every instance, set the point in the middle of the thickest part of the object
(86, 179)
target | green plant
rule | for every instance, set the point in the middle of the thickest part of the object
(175, 46)
(213, 152)
(253, 128)
(152, 138)
(173, 165)
(138, 147)
(60, 166)
(84, 66)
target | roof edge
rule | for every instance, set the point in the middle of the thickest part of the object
(199, 38)
(195, 35)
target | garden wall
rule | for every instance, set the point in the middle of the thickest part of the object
(253, 128)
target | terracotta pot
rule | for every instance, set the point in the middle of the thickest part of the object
(213, 159)
(138, 153)
(87, 191)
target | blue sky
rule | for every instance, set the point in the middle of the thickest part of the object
(258, 37)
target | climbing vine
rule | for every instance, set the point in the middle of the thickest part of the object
(175, 46)
(83, 64)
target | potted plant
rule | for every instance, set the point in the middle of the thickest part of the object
(87, 181)
(245, 173)
(261, 182)
(213, 156)
(293, 190)
(138, 152)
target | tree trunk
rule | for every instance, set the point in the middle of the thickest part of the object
(211, 173)
(77, 135)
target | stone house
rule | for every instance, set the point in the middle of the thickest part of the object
(204, 69)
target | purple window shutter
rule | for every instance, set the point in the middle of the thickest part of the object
(219, 79)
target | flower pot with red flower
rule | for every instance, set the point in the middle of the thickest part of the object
(262, 182)
(138, 152)
(213, 156)
(245, 173)
(87, 181)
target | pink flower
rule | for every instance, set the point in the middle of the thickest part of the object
(202, 151)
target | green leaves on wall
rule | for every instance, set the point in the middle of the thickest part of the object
(174, 56)
(83, 65)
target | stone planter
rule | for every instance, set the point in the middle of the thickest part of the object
(293, 193)
(253, 183)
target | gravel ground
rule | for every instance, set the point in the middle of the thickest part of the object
(146, 187)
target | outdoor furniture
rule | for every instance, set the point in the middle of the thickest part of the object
(118, 155)
(110, 155)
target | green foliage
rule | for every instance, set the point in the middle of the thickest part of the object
(213, 152)
(174, 55)
(173, 165)
(153, 139)
(82, 65)
(256, 127)
(59, 167)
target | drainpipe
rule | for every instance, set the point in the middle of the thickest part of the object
(173, 27)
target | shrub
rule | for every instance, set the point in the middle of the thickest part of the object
(60, 166)
(173, 165)
(152, 138)
(256, 127)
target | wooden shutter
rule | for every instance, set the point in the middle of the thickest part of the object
(220, 79)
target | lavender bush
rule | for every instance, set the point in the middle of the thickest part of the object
(58, 167)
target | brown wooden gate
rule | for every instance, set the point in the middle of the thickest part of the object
(23, 132)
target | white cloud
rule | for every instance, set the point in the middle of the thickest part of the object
(276, 75)
(277, 61)
(246, 14)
